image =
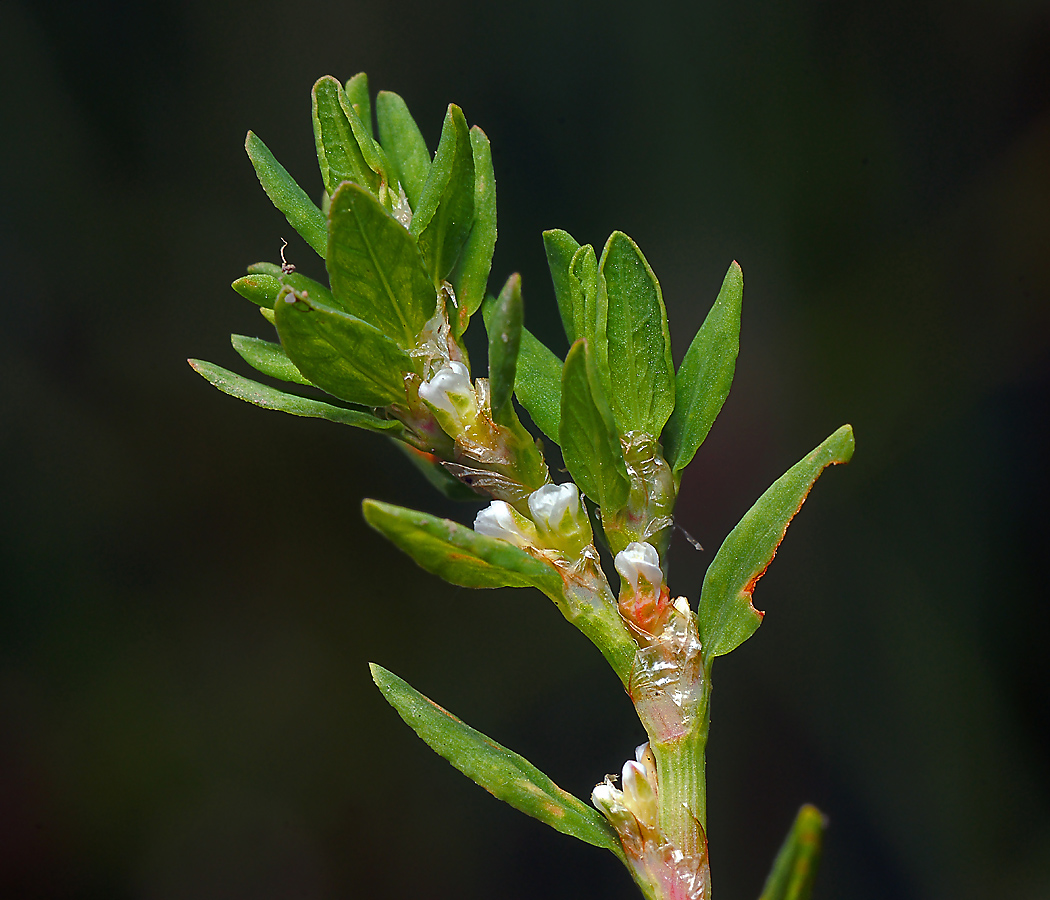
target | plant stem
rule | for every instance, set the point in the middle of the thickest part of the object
(683, 782)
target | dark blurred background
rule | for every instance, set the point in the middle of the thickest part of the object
(190, 596)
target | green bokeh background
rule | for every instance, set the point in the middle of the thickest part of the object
(190, 596)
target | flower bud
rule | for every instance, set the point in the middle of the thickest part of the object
(640, 562)
(609, 802)
(560, 517)
(638, 794)
(500, 520)
(451, 395)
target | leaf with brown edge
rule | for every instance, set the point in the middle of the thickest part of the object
(726, 616)
(503, 773)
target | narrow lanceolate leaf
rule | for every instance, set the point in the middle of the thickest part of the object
(271, 398)
(356, 91)
(590, 316)
(403, 143)
(264, 288)
(341, 354)
(470, 277)
(503, 773)
(640, 365)
(504, 329)
(561, 247)
(706, 374)
(726, 616)
(375, 267)
(795, 867)
(267, 357)
(460, 555)
(373, 154)
(537, 384)
(338, 153)
(300, 211)
(588, 438)
(442, 222)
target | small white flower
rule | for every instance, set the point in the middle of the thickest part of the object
(560, 517)
(640, 561)
(638, 794)
(450, 392)
(500, 520)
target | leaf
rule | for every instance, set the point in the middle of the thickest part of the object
(373, 154)
(537, 384)
(470, 277)
(260, 289)
(375, 267)
(341, 354)
(438, 476)
(591, 300)
(706, 374)
(504, 330)
(795, 867)
(356, 92)
(338, 152)
(271, 398)
(640, 365)
(561, 247)
(460, 555)
(726, 617)
(264, 289)
(503, 773)
(590, 318)
(589, 442)
(267, 357)
(537, 381)
(403, 143)
(446, 206)
(300, 211)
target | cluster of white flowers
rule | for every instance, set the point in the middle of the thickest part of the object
(636, 803)
(559, 521)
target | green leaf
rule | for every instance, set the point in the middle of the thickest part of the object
(561, 247)
(438, 476)
(640, 365)
(341, 354)
(374, 156)
(375, 267)
(503, 773)
(338, 152)
(271, 398)
(267, 357)
(537, 384)
(726, 617)
(442, 222)
(589, 442)
(460, 555)
(357, 96)
(795, 867)
(300, 211)
(264, 289)
(504, 329)
(706, 374)
(537, 381)
(260, 289)
(591, 303)
(470, 277)
(589, 317)
(403, 143)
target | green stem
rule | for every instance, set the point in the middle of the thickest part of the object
(682, 791)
